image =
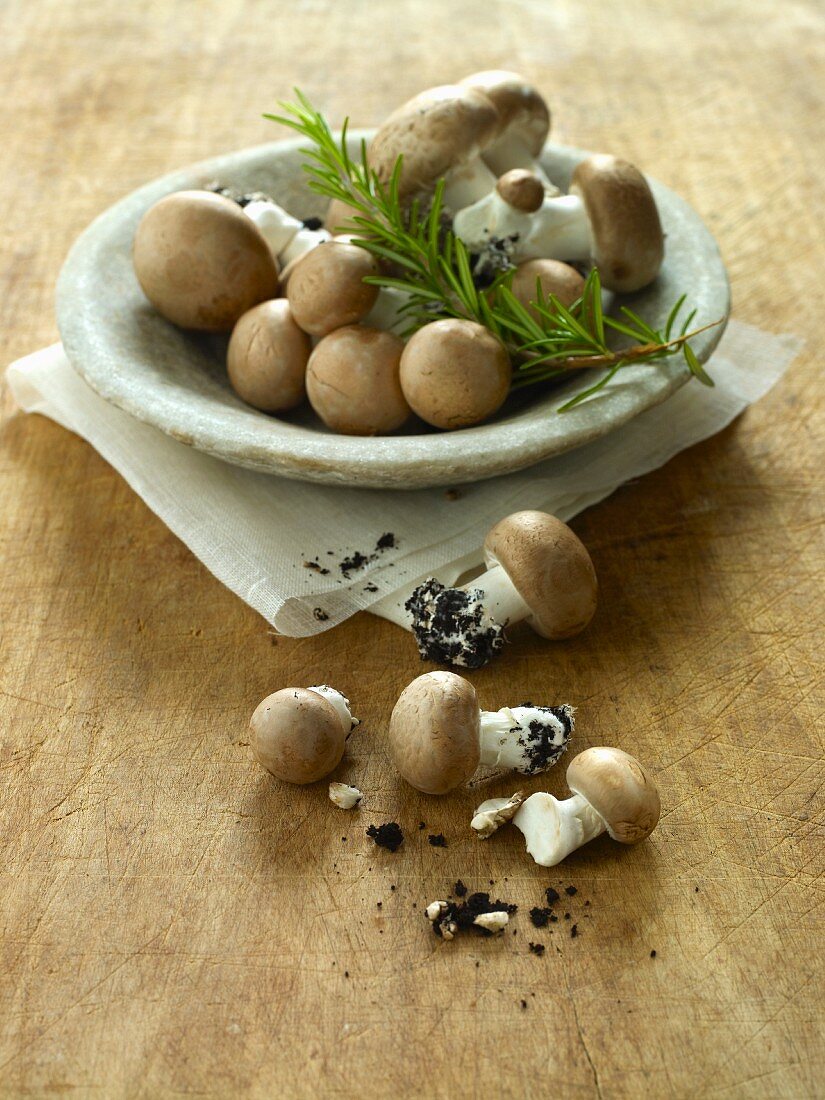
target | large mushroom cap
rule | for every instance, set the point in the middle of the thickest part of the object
(326, 290)
(352, 381)
(298, 735)
(201, 261)
(549, 567)
(619, 790)
(521, 108)
(435, 732)
(628, 242)
(267, 357)
(435, 131)
(553, 276)
(455, 373)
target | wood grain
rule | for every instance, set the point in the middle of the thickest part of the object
(173, 922)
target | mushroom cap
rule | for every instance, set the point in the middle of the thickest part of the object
(549, 567)
(521, 189)
(435, 732)
(619, 790)
(338, 215)
(455, 373)
(297, 735)
(628, 242)
(326, 289)
(267, 357)
(434, 131)
(201, 261)
(352, 381)
(520, 106)
(555, 278)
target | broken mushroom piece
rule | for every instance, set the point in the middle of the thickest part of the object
(267, 357)
(612, 793)
(609, 218)
(524, 122)
(494, 813)
(299, 734)
(504, 216)
(326, 289)
(440, 133)
(344, 796)
(352, 381)
(455, 373)
(537, 570)
(200, 262)
(553, 276)
(439, 735)
(287, 237)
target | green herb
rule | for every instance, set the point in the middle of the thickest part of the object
(433, 266)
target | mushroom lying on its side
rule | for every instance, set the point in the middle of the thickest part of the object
(200, 262)
(267, 357)
(455, 373)
(537, 570)
(299, 734)
(352, 381)
(612, 793)
(439, 735)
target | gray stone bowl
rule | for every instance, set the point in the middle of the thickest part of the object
(177, 382)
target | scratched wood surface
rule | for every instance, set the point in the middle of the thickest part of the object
(173, 922)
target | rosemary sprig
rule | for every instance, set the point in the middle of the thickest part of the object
(430, 264)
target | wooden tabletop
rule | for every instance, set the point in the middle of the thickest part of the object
(176, 922)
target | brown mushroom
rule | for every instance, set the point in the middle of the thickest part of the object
(201, 262)
(299, 734)
(338, 218)
(352, 381)
(537, 570)
(455, 373)
(440, 134)
(439, 735)
(612, 793)
(327, 290)
(553, 276)
(267, 357)
(609, 218)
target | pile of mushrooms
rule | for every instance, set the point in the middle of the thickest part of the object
(305, 324)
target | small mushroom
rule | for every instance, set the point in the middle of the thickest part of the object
(201, 262)
(352, 381)
(299, 734)
(553, 276)
(440, 133)
(286, 236)
(267, 357)
(524, 122)
(338, 218)
(609, 218)
(537, 570)
(504, 216)
(439, 735)
(327, 290)
(455, 373)
(612, 793)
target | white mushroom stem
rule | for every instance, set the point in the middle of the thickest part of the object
(387, 312)
(553, 829)
(560, 230)
(340, 702)
(496, 921)
(511, 152)
(467, 183)
(527, 739)
(286, 236)
(491, 218)
(499, 596)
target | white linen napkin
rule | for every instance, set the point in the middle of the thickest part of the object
(255, 531)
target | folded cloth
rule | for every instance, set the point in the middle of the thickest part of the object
(309, 556)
